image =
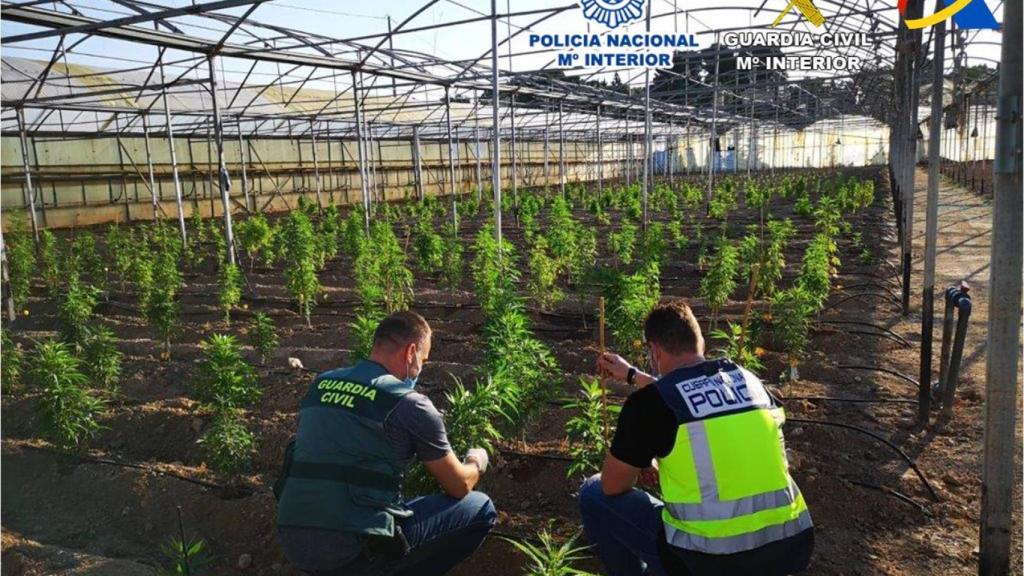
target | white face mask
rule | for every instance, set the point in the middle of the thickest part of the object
(653, 365)
(410, 380)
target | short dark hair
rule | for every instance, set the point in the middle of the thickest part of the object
(401, 329)
(673, 326)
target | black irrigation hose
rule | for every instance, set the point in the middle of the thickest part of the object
(880, 369)
(857, 295)
(858, 400)
(108, 462)
(881, 439)
(883, 287)
(894, 493)
(888, 331)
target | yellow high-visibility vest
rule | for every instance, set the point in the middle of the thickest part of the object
(726, 482)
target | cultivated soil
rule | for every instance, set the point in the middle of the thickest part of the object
(109, 511)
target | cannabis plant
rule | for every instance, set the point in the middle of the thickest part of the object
(738, 347)
(262, 336)
(300, 273)
(588, 431)
(120, 247)
(429, 248)
(75, 307)
(227, 444)
(190, 558)
(542, 281)
(631, 297)
(451, 256)
(49, 257)
(363, 328)
(549, 558)
(225, 380)
(623, 241)
(103, 359)
(11, 361)
(230, 289)
(792, 313)
(720, 281)
(21, 263)
(68, 411)
(471, 416)
(815, 276)
(254, 236)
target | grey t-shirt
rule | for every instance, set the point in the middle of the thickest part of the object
(414, 430)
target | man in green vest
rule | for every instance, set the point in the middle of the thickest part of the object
(339, 506)
(709, 434)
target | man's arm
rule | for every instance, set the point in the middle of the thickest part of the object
(617, 477)
(618, 368)
(456, 478)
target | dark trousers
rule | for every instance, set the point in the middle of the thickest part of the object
(441, 533)
(627, 534)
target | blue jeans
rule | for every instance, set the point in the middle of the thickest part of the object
(624, 529)
(441, 533)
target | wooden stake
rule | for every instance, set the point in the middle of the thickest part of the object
(755, 269)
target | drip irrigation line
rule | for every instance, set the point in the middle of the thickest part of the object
(872, 285)
(886, 335)
(886, 490)
(858, 400)
(880, 438)
(879, 369)
(854, 296)
(251, 489)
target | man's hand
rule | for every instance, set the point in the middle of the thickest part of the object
(479, 457)
(613, 365)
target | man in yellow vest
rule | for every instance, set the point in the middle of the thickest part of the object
(710, 435)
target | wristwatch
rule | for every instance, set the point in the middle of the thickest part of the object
(631, 376)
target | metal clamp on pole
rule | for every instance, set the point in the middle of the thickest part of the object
(953, 346)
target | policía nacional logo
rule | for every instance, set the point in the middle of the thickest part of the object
(613, 13)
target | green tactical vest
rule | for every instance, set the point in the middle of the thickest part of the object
(726, 482)
(343, 475)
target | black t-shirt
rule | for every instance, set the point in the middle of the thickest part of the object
(646, 430)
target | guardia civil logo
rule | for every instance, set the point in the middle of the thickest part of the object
(613, 13)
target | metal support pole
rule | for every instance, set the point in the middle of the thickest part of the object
(316, 165)
(1002, 376)
(26, 163)
(224, 180)
(714, 129)
(600, 154)
(629, 152)
(515, 166)
(561, 150)
(496, 125)
(479, 165)
(149, 165)
(241, 160)
(361, 150)
(451, 159)
(9, 299)
(174, 158)
(417, 163)
(648, 141)
(547, 150)
(924, 395)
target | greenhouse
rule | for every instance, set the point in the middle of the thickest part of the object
(216, 213)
